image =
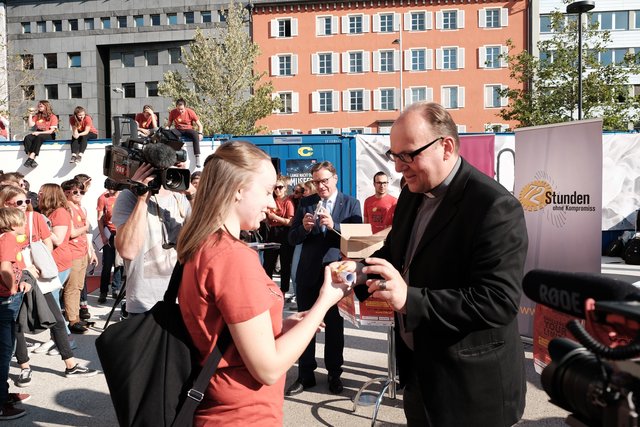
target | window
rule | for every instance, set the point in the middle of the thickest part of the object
(57, 25)
(611, 20)
(386, 23)
(51, 60)
(450, 58)
(387, 100)
(387, 61)
(418, 21)
(417, 94)
(51, 91)
(138, 21)
(151, 57)
(129, 90)
(27, 61)
(222, 15)
(325, 64)
(155, 20)
(452, 96)
(355, 62)
(152, 88)
(637, 20)
(449, 20)
(122, 21)
(491, 57)
(89, 23)
(189, 17)
(73, 25)
(355, 24)
(75, 90)
(105, 22)
(172, 18)
(613, 56)
(128, 59)
(324, 26)
(284, 28)
(418, 59)
(355, 100)
(75, 60)
(284, 65)
(545, 23)
(28, 93)
(286, 101)
(325, 99)
(26, 27)
(174, 55)
(492, 98)
(42, 26)
(205, 16)
(492, 18)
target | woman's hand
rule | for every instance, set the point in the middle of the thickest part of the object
(332, 292)
(24, 287)
(293, 320)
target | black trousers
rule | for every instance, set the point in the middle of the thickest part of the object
(307, 293)
(32, 143)
(108, 261)
(285, 253)
(194, 136)
(79, 144)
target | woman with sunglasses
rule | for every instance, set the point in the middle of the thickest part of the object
(278, 221)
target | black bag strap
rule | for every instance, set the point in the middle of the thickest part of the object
(196, 392)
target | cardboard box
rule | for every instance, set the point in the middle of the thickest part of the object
(358, 241)
(371, 312)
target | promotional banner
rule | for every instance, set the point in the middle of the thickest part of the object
(558, 180)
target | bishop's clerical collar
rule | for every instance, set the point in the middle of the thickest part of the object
(442, 188)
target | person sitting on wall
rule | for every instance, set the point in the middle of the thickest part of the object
(183, 119)
(43, 124)
(82, 130)
(4, 126)
(147, 121)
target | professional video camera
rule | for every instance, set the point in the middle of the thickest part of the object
(578, 379)
(162, 150)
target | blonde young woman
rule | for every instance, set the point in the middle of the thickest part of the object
(224, 283)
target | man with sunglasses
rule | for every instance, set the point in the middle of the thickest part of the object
(316, 225)
(452, 269)
(379, 208)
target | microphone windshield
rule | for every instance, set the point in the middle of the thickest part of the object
(159, 155)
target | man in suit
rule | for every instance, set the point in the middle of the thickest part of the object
(452, 269)
(318, 233)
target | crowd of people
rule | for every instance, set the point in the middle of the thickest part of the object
(451, 268)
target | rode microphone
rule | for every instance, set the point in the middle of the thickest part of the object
(160, 155)
(567, 292)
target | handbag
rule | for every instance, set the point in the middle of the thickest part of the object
(151, 365)
(41, 256)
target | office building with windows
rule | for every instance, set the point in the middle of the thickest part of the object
(107, 56)
(342, 66)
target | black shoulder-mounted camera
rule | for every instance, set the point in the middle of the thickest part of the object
(162, 150)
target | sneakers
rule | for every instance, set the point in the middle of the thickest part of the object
(198, 162)
(15, 398)
(24, 379)
(44, 347)
(79, 372)
(33, 164)
(103, 298)
(114, 294)
(10, 412)
(79, 158)
(84, 313)
(32, 345)
(73, 158)
(28, 162)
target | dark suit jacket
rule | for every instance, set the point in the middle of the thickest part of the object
(320, 248)
(465, 283)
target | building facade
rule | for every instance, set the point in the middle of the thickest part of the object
(107, 56)
(354, 65)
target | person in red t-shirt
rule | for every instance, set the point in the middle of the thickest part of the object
(379, 208)
(183, 119)
(223, 282)
(43, 124)
(147, 121)
(107, 230)
(82, 130)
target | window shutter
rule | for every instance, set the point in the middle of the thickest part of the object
(445, 93)
(429, 20)
(335, 61)
(366, 62)
(366, 130)
(319, 26)
(274, 28)
(504, 50)
(460, 58)
(462, 128)
(482, 18)
(438, 20)
(315, 102)
(334, 25)
(376, 61)
(504, 100)
(407, 22)
(376, 99)
(275, 69)
(407, 97)
(482, 57)
(345, 100)
(335, 101)
(396, 22)
(294, 64)
(315, 131)
(337, 131)
(315, 63)
(366, 97)
(345, 62)
(460, 18)
(429, 57)
(397, 99)
(345, 24)
(376, 23)
(365, 24)
(504, 17)
(488, 96)
(439, 58)
(396, 60)
(460, 96)
(430, 94)
(295, 102)
(294, 27)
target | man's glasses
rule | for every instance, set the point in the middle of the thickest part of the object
(279, 187)
(21, 202)
(322, 181)
(382, 183)
(408, 157)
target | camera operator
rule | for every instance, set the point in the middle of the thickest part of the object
(148, 224)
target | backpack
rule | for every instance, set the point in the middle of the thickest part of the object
(151, 365)
(632, 252)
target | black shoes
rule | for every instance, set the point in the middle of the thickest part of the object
(299, 386)
(103, 298)
(335, 385)
(30, 163)
(84, 313)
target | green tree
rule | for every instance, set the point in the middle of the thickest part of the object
(219, 82)
(547, 90)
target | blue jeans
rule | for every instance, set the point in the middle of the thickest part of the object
(9, 307)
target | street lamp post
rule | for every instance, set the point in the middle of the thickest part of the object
(580, 7)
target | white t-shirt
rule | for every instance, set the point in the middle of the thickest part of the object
(148, 274)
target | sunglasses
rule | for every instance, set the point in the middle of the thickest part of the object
(76, 192)
(279, 187)
(20, 202)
